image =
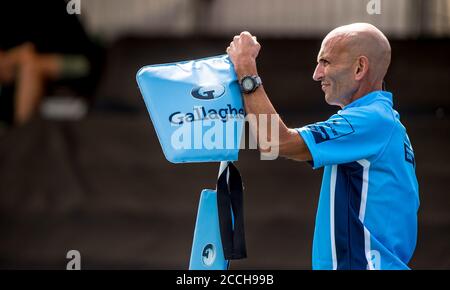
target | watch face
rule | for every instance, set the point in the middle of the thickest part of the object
(247, 84)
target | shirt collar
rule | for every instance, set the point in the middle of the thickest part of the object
(370, 98)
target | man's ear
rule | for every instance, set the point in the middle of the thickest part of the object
(362, 67)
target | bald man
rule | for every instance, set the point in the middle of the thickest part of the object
(367, 212)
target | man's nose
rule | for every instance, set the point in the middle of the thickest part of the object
(318, 73)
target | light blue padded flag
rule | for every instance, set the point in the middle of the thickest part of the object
(196, 108)
(219, 234)
(207, 252)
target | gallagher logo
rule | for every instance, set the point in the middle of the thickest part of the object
(208, 255)
(208, 92)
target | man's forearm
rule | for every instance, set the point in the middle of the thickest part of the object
(258, 104)
(243, 51)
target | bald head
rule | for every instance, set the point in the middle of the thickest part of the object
(353, 60)
(364, 39)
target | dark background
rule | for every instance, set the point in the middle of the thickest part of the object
(102, 186)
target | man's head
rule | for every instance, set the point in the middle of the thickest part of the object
(352, 62)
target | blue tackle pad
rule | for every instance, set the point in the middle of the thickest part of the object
(219, 234)
(196, 108)
(207, 251)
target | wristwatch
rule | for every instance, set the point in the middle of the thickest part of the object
(249, 84)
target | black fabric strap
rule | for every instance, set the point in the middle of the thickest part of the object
(230, 207)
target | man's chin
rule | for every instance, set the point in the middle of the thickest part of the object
(330, 100)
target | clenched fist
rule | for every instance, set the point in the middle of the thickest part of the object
(243, 51)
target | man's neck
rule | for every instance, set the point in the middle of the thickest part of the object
(362, 91)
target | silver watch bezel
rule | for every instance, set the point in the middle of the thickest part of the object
(256, 81)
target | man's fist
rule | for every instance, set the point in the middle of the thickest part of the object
(243, 51)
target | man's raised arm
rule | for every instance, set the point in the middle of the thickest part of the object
(243, 51)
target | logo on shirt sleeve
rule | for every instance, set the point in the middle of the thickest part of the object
(409, 152)
(333, 128)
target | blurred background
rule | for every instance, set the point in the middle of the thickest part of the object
(80, 164)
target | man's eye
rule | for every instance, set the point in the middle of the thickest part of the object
(324, 62)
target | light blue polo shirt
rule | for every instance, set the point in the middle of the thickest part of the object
(367, 212)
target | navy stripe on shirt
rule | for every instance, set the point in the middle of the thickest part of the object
(349, 231)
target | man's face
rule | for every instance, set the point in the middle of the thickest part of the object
(335, 72)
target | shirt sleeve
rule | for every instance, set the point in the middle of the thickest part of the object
(350, 135)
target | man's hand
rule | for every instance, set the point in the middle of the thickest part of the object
(243, 51)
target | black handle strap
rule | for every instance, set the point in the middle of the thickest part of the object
(231, 213)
